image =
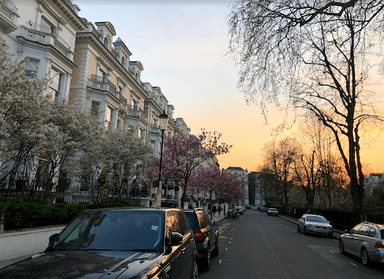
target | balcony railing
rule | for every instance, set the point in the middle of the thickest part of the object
(154, 129)
(136, 112)
(9, 4)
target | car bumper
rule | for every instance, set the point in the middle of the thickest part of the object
(202, 250)
(320, 231)
(377, 255)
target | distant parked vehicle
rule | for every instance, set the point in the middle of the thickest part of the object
(314, 224)
(206, 236)
(366, 241)
(264, 209)
(233, 214)
(239, 209)
(273, 212)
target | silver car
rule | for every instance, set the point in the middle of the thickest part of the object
(365, 241)
(314, 224)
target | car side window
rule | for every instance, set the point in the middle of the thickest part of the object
(172, 222)
(202, 219)
(207, 220)
(356, 229)
(372, 232)
(364, 230)
(183, 226)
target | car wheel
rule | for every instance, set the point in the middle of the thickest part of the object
(216, 251)
(207, 260)
(364, 257)
(195, 270)
(341, 247)
(298, 228)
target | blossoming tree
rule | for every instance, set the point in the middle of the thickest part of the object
(182, 157)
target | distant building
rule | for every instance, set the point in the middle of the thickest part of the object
(255, 197)
(243, 177)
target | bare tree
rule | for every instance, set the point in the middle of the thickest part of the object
(312, 56)
(279, 157)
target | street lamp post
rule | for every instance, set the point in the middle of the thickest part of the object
(163, 127)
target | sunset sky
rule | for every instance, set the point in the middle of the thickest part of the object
(182, 46)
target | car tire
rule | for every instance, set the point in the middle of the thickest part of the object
(364, 257)
(195, 270)
(216, 251)
(341, 247)
(298, 228)
(305, 231)
(206, 265)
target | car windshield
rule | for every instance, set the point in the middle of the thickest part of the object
(131, 230)
(316, 219)
(272, 209)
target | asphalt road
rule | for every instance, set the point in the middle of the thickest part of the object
(261, 246)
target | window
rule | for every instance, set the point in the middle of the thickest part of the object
(55, 83)
(135, 104)
(31, 67)
(109, 118)
(104, 75)
(106, 42)
(95, 108)
(46, 26)
(118, 125)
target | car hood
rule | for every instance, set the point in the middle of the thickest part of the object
(83, 264)
(319, 224)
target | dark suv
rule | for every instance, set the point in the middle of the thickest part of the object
(206, 236)
(116, 243)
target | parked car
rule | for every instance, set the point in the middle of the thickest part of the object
(314, 224)
(116, 243)
(239, 209)
(206, 236)
(273, 212)
(264, 209)
(366, 241)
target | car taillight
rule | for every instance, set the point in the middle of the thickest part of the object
(199, 235)
(379, 244)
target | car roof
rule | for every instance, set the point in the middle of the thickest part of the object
(380, 226)
(314, 215)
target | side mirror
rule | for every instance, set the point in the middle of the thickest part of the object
(176, 239)
(53, 237)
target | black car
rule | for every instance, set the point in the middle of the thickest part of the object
(206, 236)
(116, 243)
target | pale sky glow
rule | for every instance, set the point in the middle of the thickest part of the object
(182, 46)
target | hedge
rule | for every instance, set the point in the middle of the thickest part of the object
(19, 214)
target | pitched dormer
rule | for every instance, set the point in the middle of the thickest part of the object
(136, 68)
(123, 53)
(107, 32)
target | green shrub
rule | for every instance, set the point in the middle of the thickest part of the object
(30, 213)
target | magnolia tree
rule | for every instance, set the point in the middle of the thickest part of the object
(221, 185)
(112, 166)
(206, 180)
(37, 134)
(229, 187)
(182, 157)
